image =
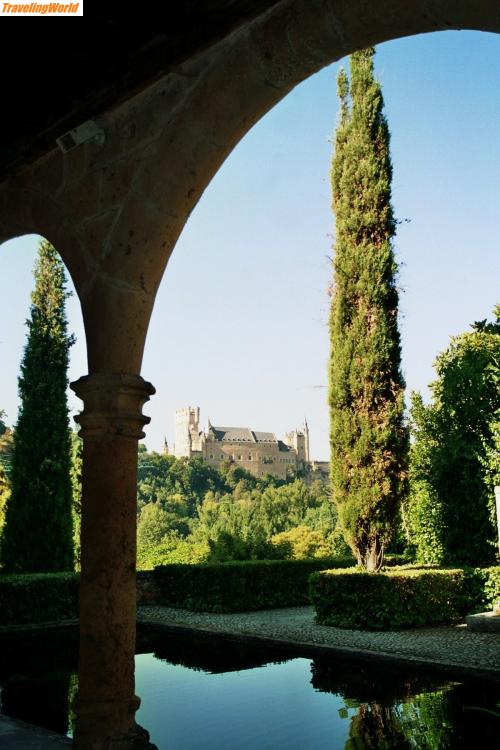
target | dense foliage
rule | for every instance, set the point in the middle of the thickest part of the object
(38, 597)
(190, 512)
(389, 600)
(483, 587)
(5, 442)
(366, 394)
(75, 474)
(450, 515)
(239, 586)
(5, 465)
(4, 494)
(37, 535)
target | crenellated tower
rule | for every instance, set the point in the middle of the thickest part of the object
(187, 431)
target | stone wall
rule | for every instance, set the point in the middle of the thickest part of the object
(257, 458)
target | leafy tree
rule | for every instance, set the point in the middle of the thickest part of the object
(160, 477)
(492, 456)
(450, 514)
(153, 526)
(304, 543)
(172, 549)
(222, 514)
(38, 533)
(253, 518)
(234, 547)
(366, 390)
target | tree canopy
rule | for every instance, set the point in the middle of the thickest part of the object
(366, 389)
(455, 454)
(188, 511)
(37, 536)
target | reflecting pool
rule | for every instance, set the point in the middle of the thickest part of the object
(215, 694)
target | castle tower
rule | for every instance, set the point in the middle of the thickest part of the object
(187, 427)
(306, 441)
(299, 441)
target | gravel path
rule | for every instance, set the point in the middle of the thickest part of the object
(447, 646)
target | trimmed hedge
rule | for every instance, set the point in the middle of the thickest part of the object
(345, 597)
(38, 597)
(390, 600)
(239, 586)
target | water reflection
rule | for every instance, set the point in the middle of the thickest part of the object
(38, 679)
(407, 712)
(217, 694)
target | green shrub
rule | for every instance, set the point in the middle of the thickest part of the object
(303, 543)
(38, 597)
(483, 588)
(390, 600)
(239, 586)
(491, 585)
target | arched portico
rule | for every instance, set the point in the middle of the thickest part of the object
(114, 211)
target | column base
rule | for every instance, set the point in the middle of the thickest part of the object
(136, 738)
(109, 725)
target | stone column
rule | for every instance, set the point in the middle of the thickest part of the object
(111, 425)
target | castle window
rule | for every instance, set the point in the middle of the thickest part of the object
(222, 455)
(211, 455)
(240, 458)
(250, 458)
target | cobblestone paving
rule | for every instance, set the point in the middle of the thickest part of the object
(453, 646)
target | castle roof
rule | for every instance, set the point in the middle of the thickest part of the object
(241, 435)
(265, 437)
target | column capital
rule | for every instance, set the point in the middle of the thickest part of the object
(112, 405)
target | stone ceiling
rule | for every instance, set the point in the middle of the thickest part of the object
(58, 74)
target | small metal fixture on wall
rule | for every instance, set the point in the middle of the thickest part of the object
(87, 132)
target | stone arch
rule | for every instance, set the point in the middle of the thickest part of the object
(124, 203)
(30, 211)
(223, 92)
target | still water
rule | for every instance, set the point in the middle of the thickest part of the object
(219, 695)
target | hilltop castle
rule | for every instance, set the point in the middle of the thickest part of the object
(260, 453)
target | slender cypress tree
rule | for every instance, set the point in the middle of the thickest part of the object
(37, 534)
(366, 389)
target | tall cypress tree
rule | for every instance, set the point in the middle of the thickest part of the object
(366, 389)
(38, 523)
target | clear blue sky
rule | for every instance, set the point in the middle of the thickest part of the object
(239, 326)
